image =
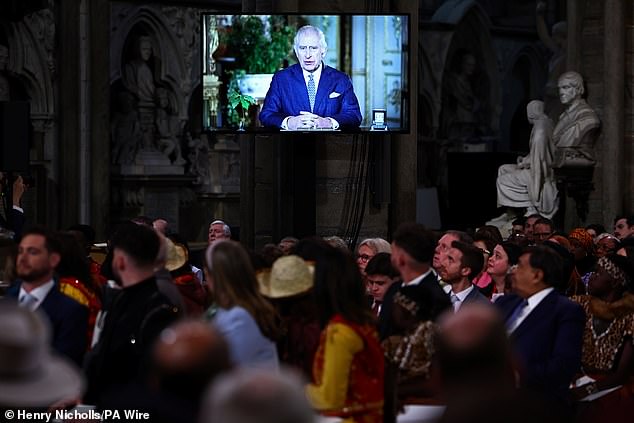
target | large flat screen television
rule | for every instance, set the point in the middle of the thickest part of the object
(344, 73)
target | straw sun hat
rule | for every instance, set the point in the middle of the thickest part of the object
(289, 276)
(176, 255)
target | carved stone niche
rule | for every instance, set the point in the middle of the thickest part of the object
(224, 167)
(151, 195)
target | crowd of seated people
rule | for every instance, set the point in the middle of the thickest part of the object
(537, 326)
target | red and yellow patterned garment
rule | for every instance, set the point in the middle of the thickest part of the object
(348, 373)
(79, 292)
(601, 352)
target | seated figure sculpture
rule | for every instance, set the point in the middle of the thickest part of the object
(530, 183)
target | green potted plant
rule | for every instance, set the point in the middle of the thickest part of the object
(259, 48)
(239, 104)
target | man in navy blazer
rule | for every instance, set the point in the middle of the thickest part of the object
(38, 256)
(458, 267)
(545, 327)
(287, 104)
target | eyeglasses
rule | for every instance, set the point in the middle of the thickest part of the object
(364, 257)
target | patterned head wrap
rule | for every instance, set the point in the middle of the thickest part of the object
(583, 237)
(406, 302)
(614, 270)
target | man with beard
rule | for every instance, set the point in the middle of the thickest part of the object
(136, 317)
(38, 256)
(442, 246)
(460, 265)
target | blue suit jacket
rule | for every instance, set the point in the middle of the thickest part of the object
(547, 343)
(287, 96)
(68, 319)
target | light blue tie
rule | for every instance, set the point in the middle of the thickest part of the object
(28, 301)
(455, 301)
(311, 91)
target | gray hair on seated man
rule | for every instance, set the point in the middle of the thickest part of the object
(250, 395)
(218, 230)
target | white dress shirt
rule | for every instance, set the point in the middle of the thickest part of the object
(533, 302)
(39, 293)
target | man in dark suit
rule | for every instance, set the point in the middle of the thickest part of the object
(138, 314)
(412, 253)
(545, 327)
(310, 95)
(38, 256)
(458, 267)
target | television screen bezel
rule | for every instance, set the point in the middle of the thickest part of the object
(406, 98)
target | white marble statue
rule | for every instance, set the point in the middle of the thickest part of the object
(578, 126)
(530, 183)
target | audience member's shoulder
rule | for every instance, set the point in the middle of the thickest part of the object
(234, 313)
(63, 300)
(506, 299)
(569, 303)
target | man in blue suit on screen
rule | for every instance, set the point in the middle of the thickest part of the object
(310, 95)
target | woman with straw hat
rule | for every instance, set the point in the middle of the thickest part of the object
(289, 287)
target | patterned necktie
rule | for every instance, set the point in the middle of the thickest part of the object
(455, 301)
(28, 301)
(311, 91)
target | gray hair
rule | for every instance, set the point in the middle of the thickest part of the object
(378, 245)
(337, 242)
(225, 227)
(310, 28)
(250, 395)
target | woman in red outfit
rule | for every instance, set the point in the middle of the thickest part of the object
(348, 366)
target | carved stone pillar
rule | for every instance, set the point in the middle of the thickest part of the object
(404, 148)
(574, 18)
(613, 123)
(99, 119)
(70, 109)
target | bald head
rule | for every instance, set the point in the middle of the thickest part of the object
(473, 349)
(188, 356)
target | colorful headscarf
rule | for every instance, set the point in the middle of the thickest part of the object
(583, 237)
(613, 270)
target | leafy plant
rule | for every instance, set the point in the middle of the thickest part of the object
(259, 46)
(238, 103)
